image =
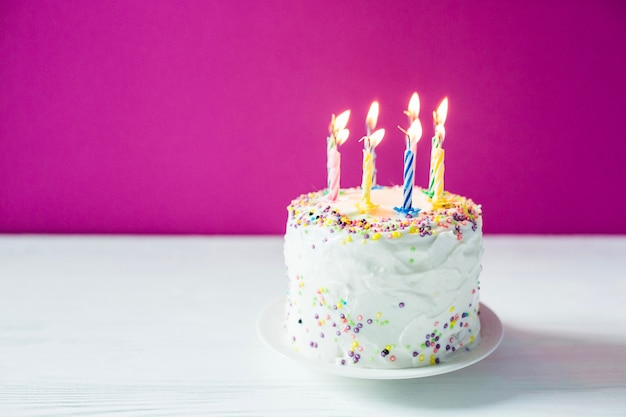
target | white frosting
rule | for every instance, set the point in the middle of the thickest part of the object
(384, 296)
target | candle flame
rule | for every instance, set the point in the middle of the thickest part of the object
(376, 137)
(442, 112)
(440, 132)
(414, 107)
(342, 136)
(415, 132)
(340, 122)
(372, 117)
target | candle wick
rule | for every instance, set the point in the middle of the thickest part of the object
(408, 138)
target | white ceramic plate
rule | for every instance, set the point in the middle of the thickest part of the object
(272, 332)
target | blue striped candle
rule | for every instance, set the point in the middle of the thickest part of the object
(413, 136)
(409, 173)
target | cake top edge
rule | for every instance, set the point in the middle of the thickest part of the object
(383, 216)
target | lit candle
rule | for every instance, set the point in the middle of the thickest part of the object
(370, 142)
(413, 136)
(370, 125)
(435, 189)
(338, 134)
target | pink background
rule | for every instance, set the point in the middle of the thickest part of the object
(209, 117)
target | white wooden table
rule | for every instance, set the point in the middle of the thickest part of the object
(166, 326)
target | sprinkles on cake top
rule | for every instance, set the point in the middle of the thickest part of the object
(313, 209)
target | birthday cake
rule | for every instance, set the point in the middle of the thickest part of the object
(383, 289)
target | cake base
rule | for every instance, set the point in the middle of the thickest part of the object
(382, 290)
(271, 330)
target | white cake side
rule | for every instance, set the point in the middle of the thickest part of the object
(382, 290)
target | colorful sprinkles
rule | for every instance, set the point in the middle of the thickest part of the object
(334, 321)
(313, 209)
(429, 349)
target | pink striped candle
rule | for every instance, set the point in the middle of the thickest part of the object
(338, 134)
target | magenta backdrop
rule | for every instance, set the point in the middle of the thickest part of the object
(209, 117)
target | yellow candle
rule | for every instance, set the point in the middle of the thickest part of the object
(437, 166)
(370, 124)
(438, 159)
(368, 168)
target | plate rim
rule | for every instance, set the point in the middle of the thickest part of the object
(270, 323)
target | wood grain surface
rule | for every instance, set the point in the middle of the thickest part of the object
(165, 326)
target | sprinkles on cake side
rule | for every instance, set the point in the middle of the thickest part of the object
(382, 289)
